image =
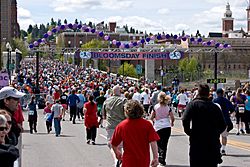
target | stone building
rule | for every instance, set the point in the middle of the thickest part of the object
(9, 27)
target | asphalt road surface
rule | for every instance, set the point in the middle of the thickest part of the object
(71, 150)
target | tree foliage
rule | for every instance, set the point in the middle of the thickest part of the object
(127, 70)
(18, 43)
(188, 67)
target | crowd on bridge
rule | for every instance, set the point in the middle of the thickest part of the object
(136, 114)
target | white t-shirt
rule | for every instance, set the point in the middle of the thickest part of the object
(146, 99)
(182, 99)
(137, 96)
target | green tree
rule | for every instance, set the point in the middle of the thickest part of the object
(29, 30)
(76, 21)
(53, 23)
(18, 43)
(188, 68)
(127, 70)
(23, 34)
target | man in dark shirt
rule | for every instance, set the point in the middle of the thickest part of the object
(226, 107)
(207, 123)
(72, 101)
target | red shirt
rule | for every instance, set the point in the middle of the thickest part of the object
(18, 115)
(90, 116)
(56, 96)
(136, 135)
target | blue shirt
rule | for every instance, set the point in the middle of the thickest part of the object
(248, 104)
(73, 100)
(226, 107)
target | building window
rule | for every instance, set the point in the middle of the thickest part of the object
(229, 66)
(239, 66)
(209, 66)
(234, 66)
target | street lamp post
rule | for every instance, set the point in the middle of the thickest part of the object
(215, 69)
(162, 71)
(9, 49)
(37, 70)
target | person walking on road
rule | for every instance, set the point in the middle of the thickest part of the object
(32, 115)
(203, 122)
(113, 114)
(57, 109)
(227, 108)
(72, 101)
(163, 119)
(137, 136)
(91, 119)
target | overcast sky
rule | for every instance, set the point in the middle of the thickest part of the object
(170, 16)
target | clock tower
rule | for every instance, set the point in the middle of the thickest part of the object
(248, 17)
(227, 21)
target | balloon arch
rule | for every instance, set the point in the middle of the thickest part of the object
(132, 44)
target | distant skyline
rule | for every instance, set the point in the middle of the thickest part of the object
(144, 15)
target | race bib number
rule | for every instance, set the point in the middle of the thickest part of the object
(241, 109)
(31, 112)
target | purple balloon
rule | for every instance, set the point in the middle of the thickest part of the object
(158, 37)
(31, 46)
(127, 46)
(122, 45)
(75, 26)
(62, 27)
(192, 39)
(204, 43)
(131, 44)
(217, 45)
(209, 43)
(93, 30)
(36, 43)
(114, 42)
(199, 40)
(101, 34)
(39, 40)
(134, 43)
(229, 46)
(167, 36)
(79, 26)
(138, 42)
(118, 43)
(212, 42)
(184, 39)
(86, 30)
(70, 25)
(225, 45)
(163, 36)
(49, 33)
(45, 35)
(147, 39)
(175, 36)
(142, 40)
(221, 46)
(54, 30)
(43, 40)
(152, 37)
(106, 37)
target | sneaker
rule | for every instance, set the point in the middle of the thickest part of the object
(88, 141)
(223, 152)
(242, 131)
(93, 142)
(238, 133)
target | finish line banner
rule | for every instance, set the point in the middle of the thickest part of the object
(136, 55)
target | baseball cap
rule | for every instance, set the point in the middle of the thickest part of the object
(10, 92)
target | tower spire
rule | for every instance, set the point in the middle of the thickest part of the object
(227, 21)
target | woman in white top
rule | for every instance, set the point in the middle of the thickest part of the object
(182, 98)
(163, 121)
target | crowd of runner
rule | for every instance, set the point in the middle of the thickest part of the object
(97, 97)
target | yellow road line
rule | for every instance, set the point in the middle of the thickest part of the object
(232, 143)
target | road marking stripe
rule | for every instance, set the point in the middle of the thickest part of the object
(103, 136)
